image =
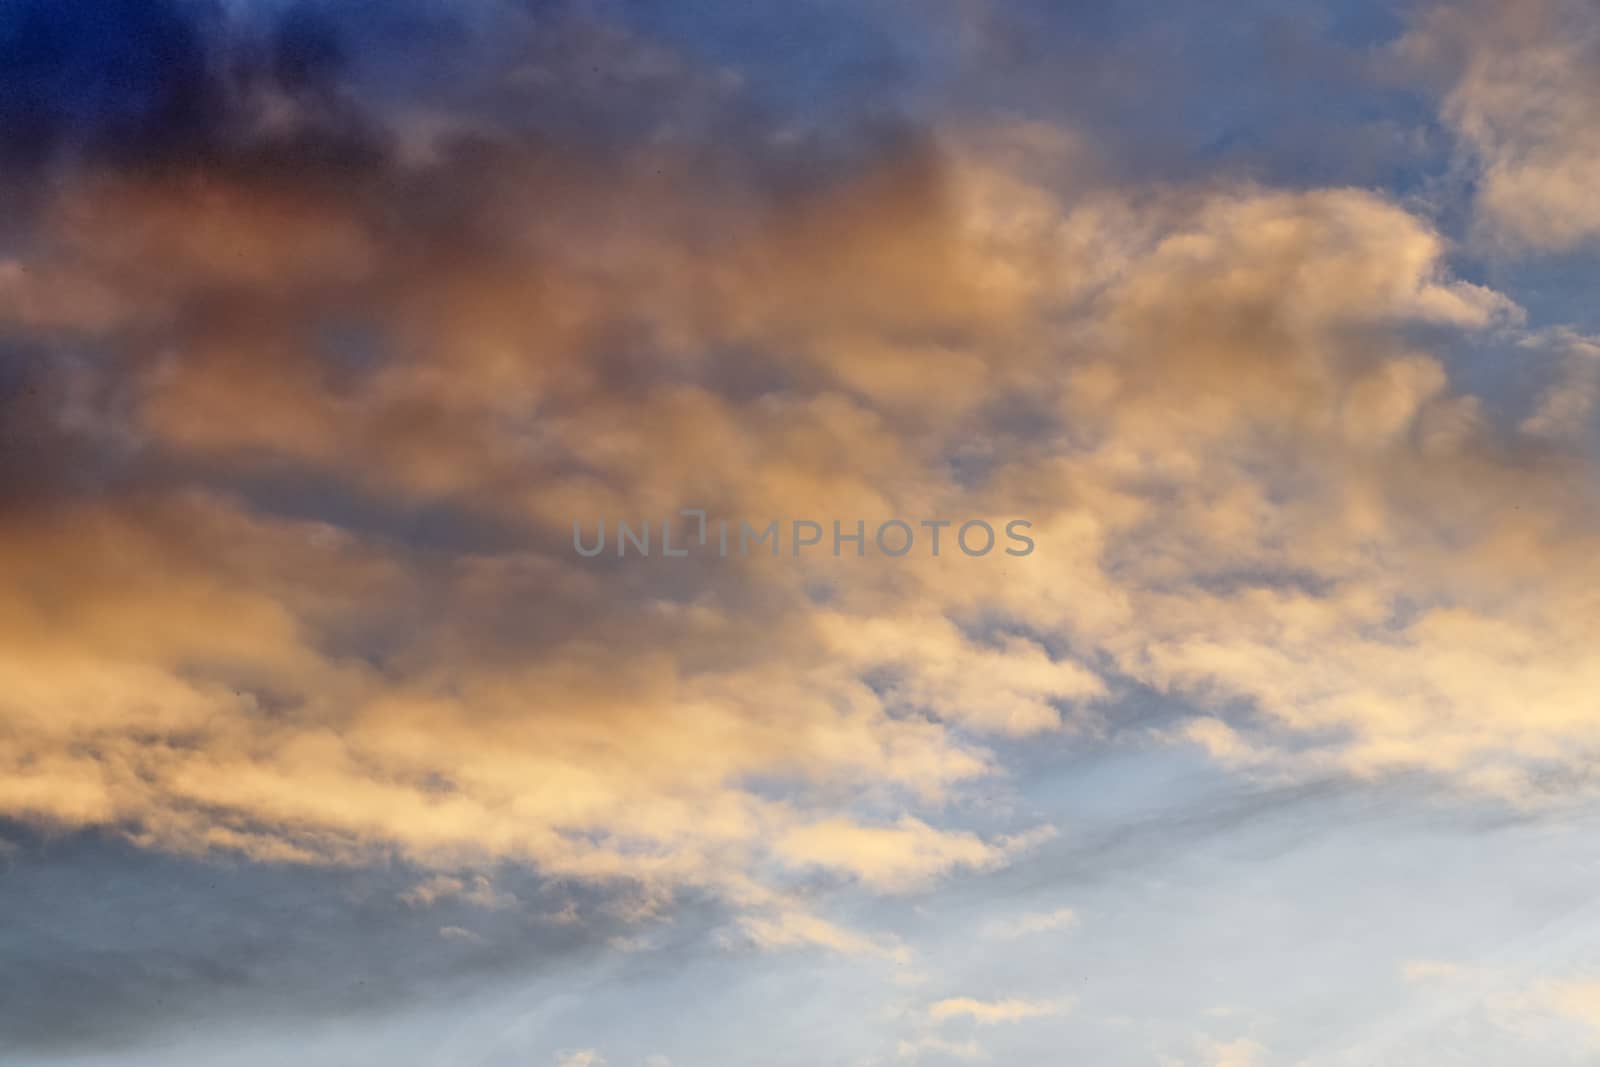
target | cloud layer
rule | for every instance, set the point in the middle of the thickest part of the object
(306, 374)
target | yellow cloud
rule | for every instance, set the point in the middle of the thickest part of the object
(1251, 484)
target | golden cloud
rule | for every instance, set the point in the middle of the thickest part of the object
(1253, 478)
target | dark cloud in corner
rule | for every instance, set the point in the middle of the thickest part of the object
(114, 76)
(141, 84)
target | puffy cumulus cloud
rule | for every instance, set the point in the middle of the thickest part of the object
(301, 416)
(1565, 411)
(1522, 90)
(291, 314)
(1304, 515)
(1270, 313)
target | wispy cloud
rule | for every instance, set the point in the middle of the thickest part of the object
(1038, 922)
(1239, 1052)
(924, 1046)
(479, 891)
(991, 1012)
(583, 1057)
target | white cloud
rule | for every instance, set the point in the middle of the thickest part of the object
(1578, 1000)
(923, 1046)
(1240, 1052)
(1032, 923)
(992, 1012)
(581, 1057)
(1434, 970)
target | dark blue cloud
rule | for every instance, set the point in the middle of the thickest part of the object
(308, 50)
(129, 74)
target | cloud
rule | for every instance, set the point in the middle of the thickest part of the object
(302, 386)
(229, 676)
(892, 858)
(797, 929)
(582, 1057)
(461, 701)
(479, 892)
(991, 1012)
(1565, 411)
(1522, 90)
(1434, 970)
(1013, 689)
(291, 530)
(458, 933)
(937, 1046)
(1222, 742)
(1032, 923)
(1579, 1000)
(1241, 1052)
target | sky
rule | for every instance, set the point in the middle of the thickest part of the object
(1258, 338)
